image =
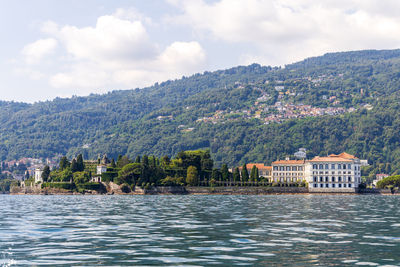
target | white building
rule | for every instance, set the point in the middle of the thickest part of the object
(379, 177)
(38, 176)
(101, 169)
(288, 171)
(333, 173)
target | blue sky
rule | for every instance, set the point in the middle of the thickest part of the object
(63, 48)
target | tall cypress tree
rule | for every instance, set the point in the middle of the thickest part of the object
(45, 173)
(253, 173)
(79, 163)
(236, 175)
(225, 172)
(245, 173)
(113, 163)
(74, 166)
(64, 163)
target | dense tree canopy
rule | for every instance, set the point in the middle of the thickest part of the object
(167, 118)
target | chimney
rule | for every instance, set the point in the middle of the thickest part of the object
(287, 158)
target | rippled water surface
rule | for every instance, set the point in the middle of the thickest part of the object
(282, 230)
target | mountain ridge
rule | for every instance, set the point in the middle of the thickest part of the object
(218, 110)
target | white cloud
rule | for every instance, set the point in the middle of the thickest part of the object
(282, 31)
(117, 53)
(36, 51)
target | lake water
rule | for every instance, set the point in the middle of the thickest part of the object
(283, 230)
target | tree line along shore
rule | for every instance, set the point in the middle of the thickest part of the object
(187, 169)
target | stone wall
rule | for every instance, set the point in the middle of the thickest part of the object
(246, 190)
(334, 190)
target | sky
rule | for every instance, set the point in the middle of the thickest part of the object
(63, 48)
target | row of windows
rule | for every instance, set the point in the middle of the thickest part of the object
(288, 168)
(332, 185)
(333, 179)
(332, 172)
(288, 174)
(333, 166)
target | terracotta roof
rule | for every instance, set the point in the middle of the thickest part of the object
(343, 155)
(330, 159)
(259, 166)
(289, 162)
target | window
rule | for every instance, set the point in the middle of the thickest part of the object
(315, 185)
(349, 179)
(321, 185)
(281, 168)
(315, 166)
(326, 166)
(333, 178)
(275, 168)
(326, 179)
(344, 166)
(315, 179)
(333, 185)
(333, 173)
(321, 166)
(287, 168)
(349, 166)
(344, 185)
(340, 185)
(300, 168)
(339, 179)
(321, 179)
(333, 166)
(339, 166)
(294, 168)
(349, 185)
(326, 185)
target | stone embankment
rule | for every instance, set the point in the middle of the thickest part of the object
(112, 188)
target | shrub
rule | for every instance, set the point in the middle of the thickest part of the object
(66, 186)
(108, 176)
(99, 187)
(173, 181)
(393, 181)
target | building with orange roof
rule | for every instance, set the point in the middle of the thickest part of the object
(288, 171)
(263, 171)
(333, 173)
(340, 172)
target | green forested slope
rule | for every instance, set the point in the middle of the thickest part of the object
(169, 117)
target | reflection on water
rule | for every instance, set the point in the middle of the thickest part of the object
(200, 230)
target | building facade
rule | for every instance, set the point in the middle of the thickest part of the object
(263, 171)
(38, 176)
(334, 171)
(288, 171)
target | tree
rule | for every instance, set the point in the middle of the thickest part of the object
(254, 174)
(225, 172)
(123, 161)
(216, 175)
(236, 175)
(113, 163)
(74, 166)
(129, 174)
(79, 163)
(81, 177)
(192, 177)
(46, 173)
(137, 160)
(64, 163)
(245, 174)
(145, 160)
